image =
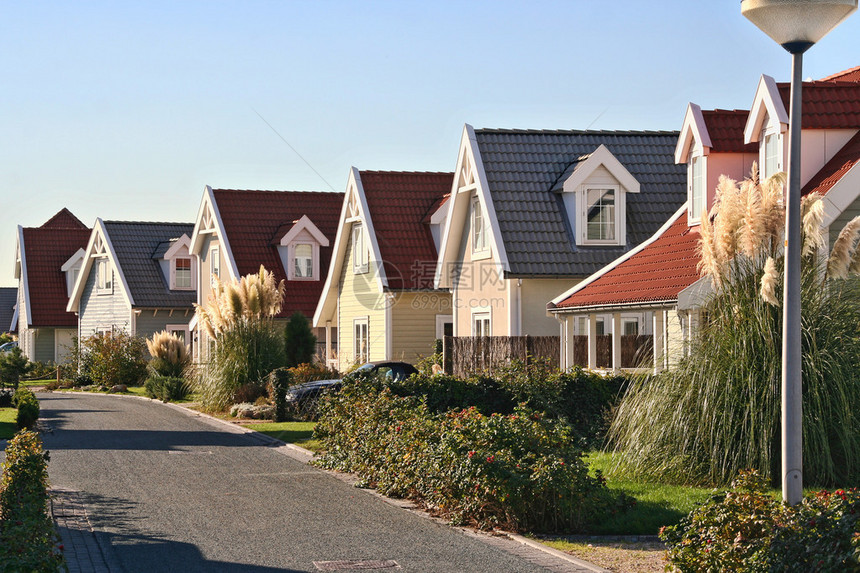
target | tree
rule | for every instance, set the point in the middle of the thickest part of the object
(718, 411)
(13, 365)
(300, 344)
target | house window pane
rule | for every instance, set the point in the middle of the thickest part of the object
(215, 262)
(631, 327)
(359, 251)
(479, 227)
(600, 215)
(103, 277)
(481, 324)
(599, 327)
(304, 261)
(183, 273)
(360, 341)
(697, 188)
(771, 155)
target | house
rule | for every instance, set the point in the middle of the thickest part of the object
(139, 277)
(659, 278)
(288, 232)
(8, 307)
(532, 210)
(47, 261)
(379, 292)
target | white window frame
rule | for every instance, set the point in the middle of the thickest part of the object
(174, 273)
(171, 328)
(694, 213)
(214, 263)
(625, 320)
(359, 250)
(358, 324)
(293, 260)
(480, 232)
(441, 321)
(774, 136)
(481, 322)
(104, 277)
(618, 215)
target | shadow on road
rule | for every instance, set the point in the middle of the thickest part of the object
(127, 546)
(154, 440)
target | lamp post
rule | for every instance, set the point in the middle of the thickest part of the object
(795, 25)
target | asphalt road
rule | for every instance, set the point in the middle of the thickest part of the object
(170, 492)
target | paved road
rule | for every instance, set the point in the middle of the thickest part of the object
(170, 492)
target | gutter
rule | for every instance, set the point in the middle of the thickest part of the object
(551, 308)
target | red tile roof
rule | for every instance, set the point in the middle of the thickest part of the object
(253, 218)
(836, 168)
(726, 130)
(850, 75)
(46, 249)
(399, 202)
(657, 273)
(827, 104)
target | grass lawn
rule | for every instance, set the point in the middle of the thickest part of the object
(40, 382)
(656, 504)
(7, 422)
(299, 433)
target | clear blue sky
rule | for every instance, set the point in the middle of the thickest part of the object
(126, 110)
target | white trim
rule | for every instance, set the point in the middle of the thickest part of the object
(291, 261)
(766, 104)
(360, 321)
(182, 327)
(843, 193)
(480, 313)
(99, 232)
(304, 224)
(72, 261)
(587, 281)
(211, 258)
(192, 273)
(619, 222)
(694, 138)
(197, 235)
(24, 282)
(601, 157)
(696, 218)
(456, 222)
(183, 241)
(360, 254)
(484, 251)
(439, 215)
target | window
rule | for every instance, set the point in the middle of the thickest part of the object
(600, 215)
(215, 263)
(479, 227)
(697, 187)
(180, 331)
(582, 325)
(303, 261)
(359, 250)
(183, 273)
(630, 326)
(104, 277)
(771, 154)
(360, 340)
(600, 327)
(481, 324)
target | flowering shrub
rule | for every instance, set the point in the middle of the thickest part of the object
(114, 358)
(517, 471)
(747, 529)
(27, 534)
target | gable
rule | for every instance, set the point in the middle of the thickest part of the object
(99, 247)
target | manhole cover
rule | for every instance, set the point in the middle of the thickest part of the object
(355, 564)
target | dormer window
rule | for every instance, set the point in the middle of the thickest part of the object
(72, 269)
(771, 155)
(179, 266)
(299, 249)
(696, 177)
(304, 261)
(182, 277)
(601, 215)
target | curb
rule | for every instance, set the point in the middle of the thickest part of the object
(304, 456)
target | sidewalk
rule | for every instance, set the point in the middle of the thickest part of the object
(79, 542)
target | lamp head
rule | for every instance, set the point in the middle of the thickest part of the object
(797, 24)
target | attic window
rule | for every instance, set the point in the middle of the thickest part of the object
(601, 215)
(182, 274)
(359, 250)
(696, 177)
(771, 154)
(104, 277)
(480, 243)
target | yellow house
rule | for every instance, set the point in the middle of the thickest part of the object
(379, 292)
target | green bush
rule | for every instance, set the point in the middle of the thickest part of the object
(114, 358)
(166, 388)
(27, 536)
(28, 408)
(280, 380)
(747, 529)
(300, 344)
(517, 471)
(13, 365)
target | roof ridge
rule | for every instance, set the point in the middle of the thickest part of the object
(57, 218)
(832, 77)
(720, 110)
(385, 172)
(578, 131)
(276, 191)
(114, 222)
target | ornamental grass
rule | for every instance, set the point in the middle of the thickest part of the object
(718, 411)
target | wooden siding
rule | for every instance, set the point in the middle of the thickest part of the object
(359, 297)
(839, 223)
(413, 323)
(43, 347)
(146, 324)
(102, 310)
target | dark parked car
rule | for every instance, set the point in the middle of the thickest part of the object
(303, 397)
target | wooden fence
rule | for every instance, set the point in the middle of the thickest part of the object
(463, 355)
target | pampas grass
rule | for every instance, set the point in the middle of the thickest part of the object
(718, 411)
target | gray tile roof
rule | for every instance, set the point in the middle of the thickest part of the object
(8, 299)
(135, 244)
(525, 168)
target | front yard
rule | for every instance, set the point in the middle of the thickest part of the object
(7, 422)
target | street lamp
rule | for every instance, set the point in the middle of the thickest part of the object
(795, 25)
